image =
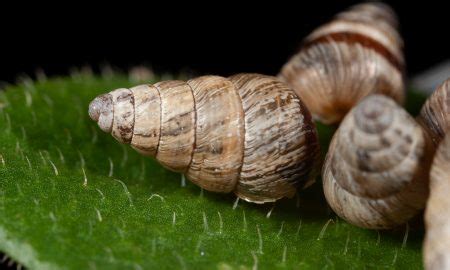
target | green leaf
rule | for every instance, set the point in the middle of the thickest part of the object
(72, 197)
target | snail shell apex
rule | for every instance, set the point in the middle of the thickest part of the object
(357, 54)
(375, 172)
(249, 134)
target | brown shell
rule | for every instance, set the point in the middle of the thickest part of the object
(249, 134)
(357, 54)
(435, 113)
(376, 171)
(437, 214)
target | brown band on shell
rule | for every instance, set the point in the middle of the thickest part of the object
(176, 143)
(380, 18)
(147, 110)
(219, 132)
(332, 77)
(357, 54)
(356, 38)
(123, 124)
(375, 20)
(278, 128)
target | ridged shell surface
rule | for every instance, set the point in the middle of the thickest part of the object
(357, 54)
(376, 170)
(249, 134)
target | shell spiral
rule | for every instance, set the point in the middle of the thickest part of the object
(357, 54)
(437, 214)
(435, 113)
(249, 134)
(375, 173)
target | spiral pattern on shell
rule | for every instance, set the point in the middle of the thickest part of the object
(375, 173)
(437, 214)
(435, 113)
(249, 134)
(357, 54)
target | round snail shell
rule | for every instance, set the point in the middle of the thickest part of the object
(376, 171)
(357, 54)
(435, 113)
(249, 134)
(437, 213)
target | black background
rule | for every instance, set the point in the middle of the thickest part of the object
(216, 38)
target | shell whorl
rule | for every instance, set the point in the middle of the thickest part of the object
(101, 111)
(437, 213)
(435, 113)
(374, 174)
(249, 134)
(357, 54)
(375, 11)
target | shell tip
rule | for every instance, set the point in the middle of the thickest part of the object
(94, 109)
(101, 111)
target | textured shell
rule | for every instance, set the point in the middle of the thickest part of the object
(357, 54)
(435, 113)
(437, 214)
(376, 171)
(249, 134)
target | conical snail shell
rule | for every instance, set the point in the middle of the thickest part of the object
(435, 113)
(249, 134)
(437, 214)
(376, 171)
(357, 54)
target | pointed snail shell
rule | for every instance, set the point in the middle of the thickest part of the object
(376, 171)
(357, 54)
(435, 113)
(437, 214)
(249, 134)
